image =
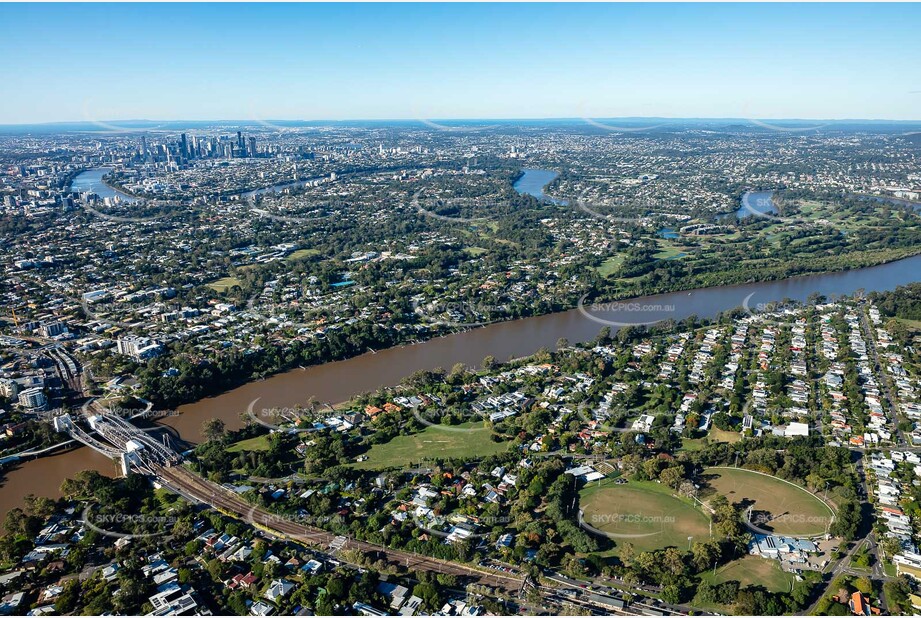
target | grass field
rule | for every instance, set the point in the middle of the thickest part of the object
(720, 435)
(786, 509)
(611, 265)
(300, 254)
(753, 570)
(224, 284)
(465, 440)
(259, 443)
(644, 514)
(668, 251)
(475, 251)
(692, 444)
(911, 324)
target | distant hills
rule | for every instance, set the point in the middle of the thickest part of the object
(655, 124)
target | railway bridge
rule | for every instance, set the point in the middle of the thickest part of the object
(117, 438)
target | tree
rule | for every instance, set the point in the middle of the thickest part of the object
(67, 600)
(429, 595)
(890, 546)
(212, 429)
(671, 594)
(847, 521)
(864, 585)
(728, 521)
(627, 552)
(673, 561)
(704, 554)
(672, 476)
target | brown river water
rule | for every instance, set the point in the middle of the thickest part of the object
(338, 381)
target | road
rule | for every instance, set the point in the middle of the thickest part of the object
(890, 399)
(842, 565)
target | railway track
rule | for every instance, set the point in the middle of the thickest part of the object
(229, 503)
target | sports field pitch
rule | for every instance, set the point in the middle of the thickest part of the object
(465, 440)
(645, 514)
(779, 507)
(753, 570)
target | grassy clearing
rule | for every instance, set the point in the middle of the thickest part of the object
(259, 443)
(787, 509)
(223, 285)
(300, 254)
(911, 324)
(610, 265)
(720, 435)
(645, 514)
(475, 251)
(753, 570)
(668, 251)
(693, 444)
(454, 441)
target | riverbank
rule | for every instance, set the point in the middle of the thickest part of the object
(605, 297)
(341, 380)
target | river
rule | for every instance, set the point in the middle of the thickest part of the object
(338, 381)
(91, 181)
(533, 181)
(753, 203)
(883, 199)
(335, 382)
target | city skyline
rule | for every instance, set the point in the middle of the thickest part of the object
(399, 62)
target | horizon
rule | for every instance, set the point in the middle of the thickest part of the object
(554, 119)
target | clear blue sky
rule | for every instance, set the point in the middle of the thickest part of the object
(70, 62)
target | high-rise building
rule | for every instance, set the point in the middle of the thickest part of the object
(52, 329)
(33, 399)
(252, 147)
(139, 348)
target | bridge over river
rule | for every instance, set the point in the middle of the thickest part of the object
(119, 439)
